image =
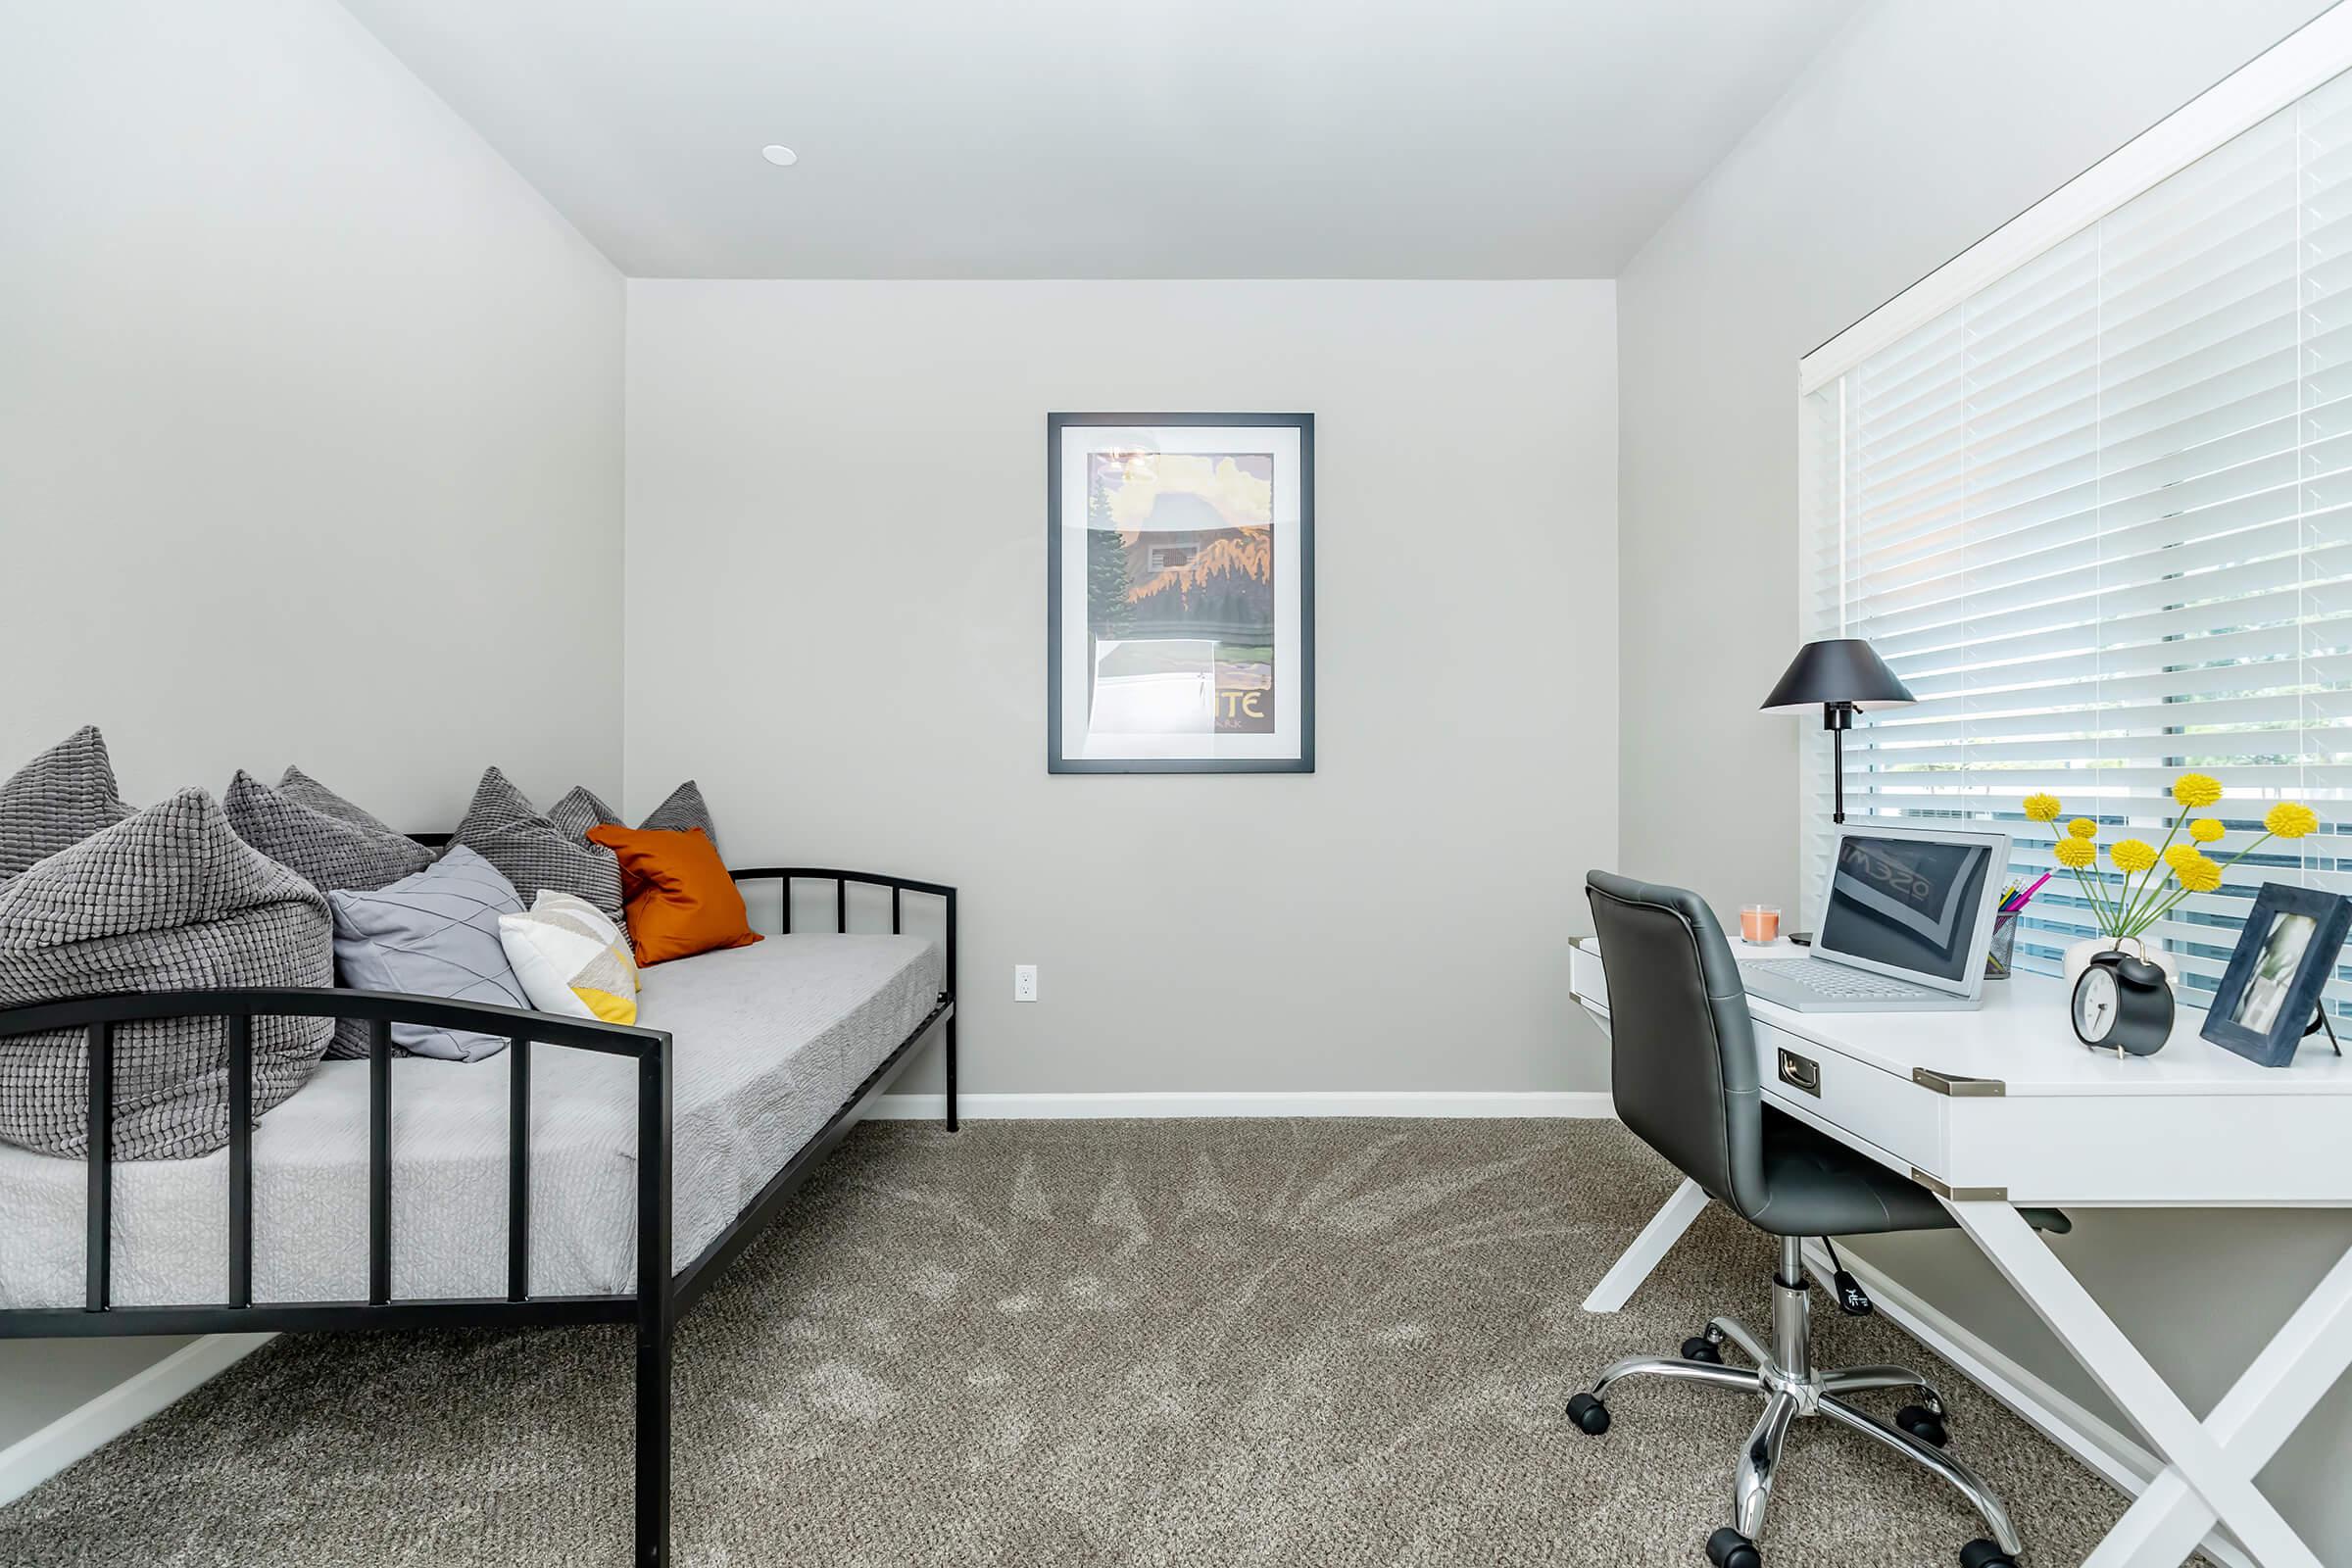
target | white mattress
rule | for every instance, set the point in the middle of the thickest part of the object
(770, 1040)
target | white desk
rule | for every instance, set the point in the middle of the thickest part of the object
(2002, 1106)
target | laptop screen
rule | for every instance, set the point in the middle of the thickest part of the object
(1909, 904)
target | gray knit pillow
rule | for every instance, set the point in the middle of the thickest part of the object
(170, 898)
(303, 790)
(58, 799)
(684, 809)
(505, 828)
(341, 848)
(580, 810)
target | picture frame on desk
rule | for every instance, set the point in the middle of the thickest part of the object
(2289, 946)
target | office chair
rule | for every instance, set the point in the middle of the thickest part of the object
(1685, 1081)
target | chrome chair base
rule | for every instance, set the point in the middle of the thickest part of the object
(1792, 1390)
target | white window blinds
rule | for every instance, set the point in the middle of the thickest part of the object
(2098, 516)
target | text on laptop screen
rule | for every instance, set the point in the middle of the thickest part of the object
(1909, 903)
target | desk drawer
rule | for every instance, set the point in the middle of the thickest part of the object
(1587, 979)
(1837, 1092)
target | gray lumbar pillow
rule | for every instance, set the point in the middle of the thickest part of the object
(580, 810)
(168, 898)
(434, 934)
(319, 836)
(505, 828)
(58, 799)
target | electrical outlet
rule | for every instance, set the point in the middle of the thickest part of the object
(1024, 982)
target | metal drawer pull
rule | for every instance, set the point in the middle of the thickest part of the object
(1958, 1086)
(1800, 1072)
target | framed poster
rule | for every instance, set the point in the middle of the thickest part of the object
(1180, 593)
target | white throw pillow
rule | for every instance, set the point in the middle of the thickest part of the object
(549, 902)
(568, 967)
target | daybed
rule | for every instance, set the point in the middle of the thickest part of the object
(399, 1193)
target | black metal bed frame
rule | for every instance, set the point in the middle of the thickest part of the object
(654, 1308)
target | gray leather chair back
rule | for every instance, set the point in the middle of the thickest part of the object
(1682, 1048)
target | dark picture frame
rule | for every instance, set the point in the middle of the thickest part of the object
(1290, 748)
(2285, 951)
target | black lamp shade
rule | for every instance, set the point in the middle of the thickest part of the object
(1837, 669)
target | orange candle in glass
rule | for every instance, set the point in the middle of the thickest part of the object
(1759, 923)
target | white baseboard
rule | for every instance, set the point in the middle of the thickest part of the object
(2112, 1455)
(27, 1462)
(1247, 1103)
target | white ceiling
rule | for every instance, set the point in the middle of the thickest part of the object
(1111, 138)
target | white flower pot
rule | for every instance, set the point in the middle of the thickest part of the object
(2079, 955)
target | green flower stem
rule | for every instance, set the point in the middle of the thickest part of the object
(2173, 901)
(2152, 882)
(2098, 905)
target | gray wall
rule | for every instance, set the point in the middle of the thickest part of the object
(1922, 127)
(836, 613)
(310, 438)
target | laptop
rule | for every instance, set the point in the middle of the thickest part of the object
(1905, 920)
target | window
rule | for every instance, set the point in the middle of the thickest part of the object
(2098, 512)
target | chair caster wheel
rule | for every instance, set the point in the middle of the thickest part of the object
(1590, 1414)
(1728, 1548)
(1984, 1554)
(1701, 1350)
(1925, 1425)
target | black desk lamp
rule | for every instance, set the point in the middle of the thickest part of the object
(1837, 673)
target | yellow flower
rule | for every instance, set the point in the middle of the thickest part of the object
(2074, 853)
(2193, 790)
(2083, 827)
(2176, 853)
(2042, 807)
(2287, 821)
(2205, 830)
(2197, 873)
(2133, 854)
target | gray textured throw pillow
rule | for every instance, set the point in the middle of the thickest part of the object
(434, 934)
(303, 790)
(58, 799)
(683, 811)
(580, 810)
(168, 898)
(529, 851)
(319, 836)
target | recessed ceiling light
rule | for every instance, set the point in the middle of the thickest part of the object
(781, 156)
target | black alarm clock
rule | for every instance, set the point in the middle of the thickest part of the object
(2123, 1005)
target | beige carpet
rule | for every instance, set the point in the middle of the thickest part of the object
(1199, 1343)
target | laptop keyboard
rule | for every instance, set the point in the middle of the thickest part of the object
(1833, 980)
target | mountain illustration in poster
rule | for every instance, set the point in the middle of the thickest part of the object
(1180, 590)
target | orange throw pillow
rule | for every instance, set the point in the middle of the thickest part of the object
(678, 896)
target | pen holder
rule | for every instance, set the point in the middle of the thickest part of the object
(1999, 952)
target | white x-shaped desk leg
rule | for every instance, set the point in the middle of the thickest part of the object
(2211, 1465)
(1650, 1249)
